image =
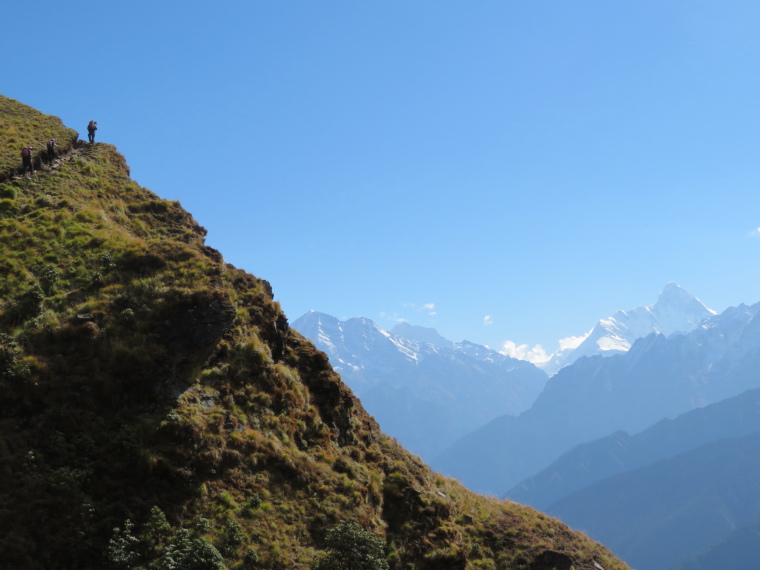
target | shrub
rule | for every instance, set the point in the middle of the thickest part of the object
(121, 547)
(186, 553)
(8, 192)
(96, 280)
(250, 558)
(203, 525)
(157, 525)
(27, 305)
(9, 357)
(49, 279)
(353, 547)
(7, 205)
(233, 535)
(106, 262)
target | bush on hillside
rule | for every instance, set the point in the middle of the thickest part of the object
(352, 547)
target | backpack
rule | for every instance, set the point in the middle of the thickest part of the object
(26, 151)
(51, 143)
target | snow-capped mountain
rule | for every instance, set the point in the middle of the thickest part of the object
(426, 393)
(676, 310)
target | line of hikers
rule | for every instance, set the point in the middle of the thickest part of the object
(50, 146)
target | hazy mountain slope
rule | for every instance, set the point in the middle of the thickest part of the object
(739, 550)
(619, 452)
(658, 378)
(143, 378)
(655, 516)
(424, 391)
(676, 310)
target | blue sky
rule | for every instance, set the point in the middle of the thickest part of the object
(499, 170)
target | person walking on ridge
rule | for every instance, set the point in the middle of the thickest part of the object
(51, 149)
(26, 159)
(91, 128)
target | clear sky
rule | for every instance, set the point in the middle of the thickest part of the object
(501, 170)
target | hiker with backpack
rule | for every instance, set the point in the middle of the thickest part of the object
(91, 128)
(26, 159)
(51, 149)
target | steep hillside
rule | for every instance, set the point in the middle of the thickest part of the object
(156, 411)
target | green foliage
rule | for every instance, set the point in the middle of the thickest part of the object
(122, 547)
(8, 192)
(233, 535)
(27, 305)
(353, 548)
(250, 558)
(49, 279)
(106, 262)
(8, 207)
(157, 526)
(203, 525)
(186, 553)
(10, 353)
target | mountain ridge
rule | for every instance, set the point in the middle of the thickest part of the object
(619, 452)
(656, 515)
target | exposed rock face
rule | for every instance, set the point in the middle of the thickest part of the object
(552, 560)
(196, 324)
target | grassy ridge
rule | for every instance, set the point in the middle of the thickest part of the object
(153, 401)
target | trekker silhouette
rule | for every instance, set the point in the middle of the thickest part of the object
(51, 149)
(26, 159)
(91, 128)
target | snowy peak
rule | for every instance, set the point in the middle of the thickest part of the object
(676, 310)
(350, 344)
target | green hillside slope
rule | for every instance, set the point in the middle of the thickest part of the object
(156, 411)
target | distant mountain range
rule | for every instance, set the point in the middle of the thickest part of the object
(658, 378)
(423, 389)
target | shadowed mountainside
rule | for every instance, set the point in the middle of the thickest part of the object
(657, 515)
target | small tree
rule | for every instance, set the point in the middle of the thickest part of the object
(121, 547)
(157, 528)
(353, 548)
(186, 553)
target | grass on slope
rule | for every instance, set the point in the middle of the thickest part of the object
(21, 126)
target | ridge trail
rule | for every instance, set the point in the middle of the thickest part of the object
(76, 147)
